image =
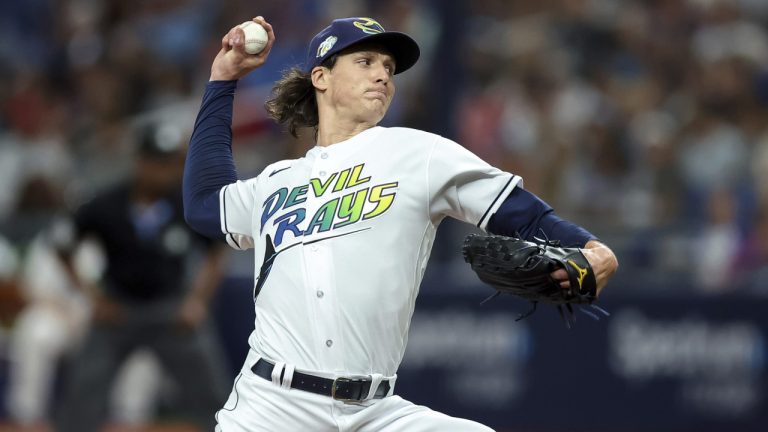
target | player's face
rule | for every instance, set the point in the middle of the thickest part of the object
(160, 176)
(360, 84)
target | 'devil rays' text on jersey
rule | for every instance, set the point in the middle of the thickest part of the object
(342, 237)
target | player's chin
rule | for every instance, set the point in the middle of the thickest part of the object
(377, 99)
(375, 111)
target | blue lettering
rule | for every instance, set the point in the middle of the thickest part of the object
(289, 221)
(272, 204)
(296, 196)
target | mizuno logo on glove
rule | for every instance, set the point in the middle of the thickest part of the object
(582, 273)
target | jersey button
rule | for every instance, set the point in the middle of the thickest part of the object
(320, 294)
(328, 343)
(324, 156)
(322, 173)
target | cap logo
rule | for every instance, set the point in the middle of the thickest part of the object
(327, 44)
(369, 26)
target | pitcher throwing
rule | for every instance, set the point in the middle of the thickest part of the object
(342, 235)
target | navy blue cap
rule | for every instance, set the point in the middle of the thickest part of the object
(345, 32)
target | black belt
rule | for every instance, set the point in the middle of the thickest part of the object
(342, 388)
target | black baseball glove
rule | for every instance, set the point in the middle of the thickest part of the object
(523, 268)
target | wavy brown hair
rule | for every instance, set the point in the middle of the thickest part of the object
(293, 101)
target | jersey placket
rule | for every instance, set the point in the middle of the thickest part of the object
(318, 258)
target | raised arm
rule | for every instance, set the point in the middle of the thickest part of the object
(210, 165)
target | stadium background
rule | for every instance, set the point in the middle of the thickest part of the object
(642, 120)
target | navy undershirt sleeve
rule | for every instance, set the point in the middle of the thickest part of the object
(526, 214)
(209, 165)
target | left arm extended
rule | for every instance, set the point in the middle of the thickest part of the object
(525, 215)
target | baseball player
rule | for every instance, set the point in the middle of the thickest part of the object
(342, 235)
(143, 301)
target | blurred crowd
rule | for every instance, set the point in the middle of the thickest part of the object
(642, 120)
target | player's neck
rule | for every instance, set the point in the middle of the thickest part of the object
(332, 129)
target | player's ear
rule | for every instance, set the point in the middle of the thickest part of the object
(319, 75)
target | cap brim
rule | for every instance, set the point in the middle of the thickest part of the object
(404, 49)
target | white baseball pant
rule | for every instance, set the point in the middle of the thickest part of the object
(256, 404)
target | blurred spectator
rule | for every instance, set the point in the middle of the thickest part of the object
(759, 169)
(150, 257)
(51, 326)
(750, 267)
(714, 250)
(11, 300)
(33, 146)
(713, 155)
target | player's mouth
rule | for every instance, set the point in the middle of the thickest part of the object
(378, 94)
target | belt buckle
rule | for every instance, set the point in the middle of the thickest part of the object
(349, 379)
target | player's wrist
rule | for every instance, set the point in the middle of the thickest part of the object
(217, 82)
(592, 244)
(224, 75)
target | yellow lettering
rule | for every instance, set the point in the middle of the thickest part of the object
(351, 210)
(341, 181)
(319, 188)
(383, 201)
(355, 179)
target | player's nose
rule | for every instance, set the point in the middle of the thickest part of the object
(381, 73)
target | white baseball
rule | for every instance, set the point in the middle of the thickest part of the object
(255, 37)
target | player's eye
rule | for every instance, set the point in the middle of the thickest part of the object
(365, 61)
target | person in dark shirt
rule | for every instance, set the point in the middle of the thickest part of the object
(149, 295)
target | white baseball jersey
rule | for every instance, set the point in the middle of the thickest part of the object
(346, 232)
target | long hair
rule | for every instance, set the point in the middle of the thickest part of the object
(293, 101)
